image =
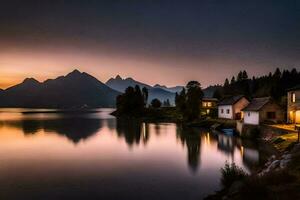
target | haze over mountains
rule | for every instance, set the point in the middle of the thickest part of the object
(160, 92)
(74, 90)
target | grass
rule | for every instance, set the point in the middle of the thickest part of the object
(231, 173)
(284, 142)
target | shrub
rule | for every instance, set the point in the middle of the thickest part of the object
(231, 173)
(155, 103)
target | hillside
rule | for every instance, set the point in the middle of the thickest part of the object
(75, 90)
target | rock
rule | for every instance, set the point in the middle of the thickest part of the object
(273, 165)
(273, 157)
(283, 163)
(287, 156)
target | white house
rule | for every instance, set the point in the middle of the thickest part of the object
(231, 107)
(261, 110)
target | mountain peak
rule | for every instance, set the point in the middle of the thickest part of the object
(74, 72)
(118, 77)
(30, 80)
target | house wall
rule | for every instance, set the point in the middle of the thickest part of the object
(225, 114)
(271, 107)
(240, 105)
(251, 117)
(293, 108)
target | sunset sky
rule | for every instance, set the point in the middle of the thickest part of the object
(166, 42)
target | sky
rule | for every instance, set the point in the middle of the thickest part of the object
(167, 42)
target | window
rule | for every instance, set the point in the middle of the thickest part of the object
(204, 104)
(209, 104)
(227, 111)
(249, 114)
(222, 110)
(293, 97)
(271, 115)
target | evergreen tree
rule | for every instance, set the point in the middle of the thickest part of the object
(232, 80)
(226, 83)
(244, 75)
(240, 76)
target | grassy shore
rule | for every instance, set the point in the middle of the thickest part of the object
(171, 114)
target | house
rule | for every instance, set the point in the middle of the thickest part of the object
(293, 105)
(231, 107)
(262, 110)
(207, 104)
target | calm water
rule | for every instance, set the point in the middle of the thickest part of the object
(94, 156)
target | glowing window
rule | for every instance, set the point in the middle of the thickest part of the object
(209, 104)
(293, 97)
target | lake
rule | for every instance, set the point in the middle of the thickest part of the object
(45, 154)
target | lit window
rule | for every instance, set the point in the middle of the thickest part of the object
(204, 104)
(293, 97)
(209, 104)
(207, 111)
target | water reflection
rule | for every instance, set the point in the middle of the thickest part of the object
(190, 137)
(133, 131)
(75, 129)
(111, 156)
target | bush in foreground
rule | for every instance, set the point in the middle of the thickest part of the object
(231, 173)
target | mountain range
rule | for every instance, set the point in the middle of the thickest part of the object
(75, 90)
(162, 93)
(80, 90)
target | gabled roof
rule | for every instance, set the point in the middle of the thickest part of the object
(230, 100)
(257, 104)
(209, 99)
(297, 87)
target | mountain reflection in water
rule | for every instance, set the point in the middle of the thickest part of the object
(158, 161)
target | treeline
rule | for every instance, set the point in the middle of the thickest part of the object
(274, 85)
(132, 101)
(188, 100)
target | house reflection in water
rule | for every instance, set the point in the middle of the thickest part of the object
(228, 145)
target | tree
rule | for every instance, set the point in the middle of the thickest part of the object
(226, 83)
(194, 97)
(131, 102)
(166, 103)
(217, 93)
(155, 103)
(232, 80)
(180, 101)
(145, 94)
(240, 76)
(244, 75)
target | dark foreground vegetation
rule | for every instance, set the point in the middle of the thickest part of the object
(281, 184)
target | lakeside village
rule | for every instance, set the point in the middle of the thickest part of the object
(264, 109)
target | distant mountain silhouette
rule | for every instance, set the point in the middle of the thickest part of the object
(121, 84)
(170, 89)
(75, 90)
(210, 90)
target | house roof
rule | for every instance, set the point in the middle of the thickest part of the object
(230, 100)
(209, 99)
(297, 87)
(257, 104)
